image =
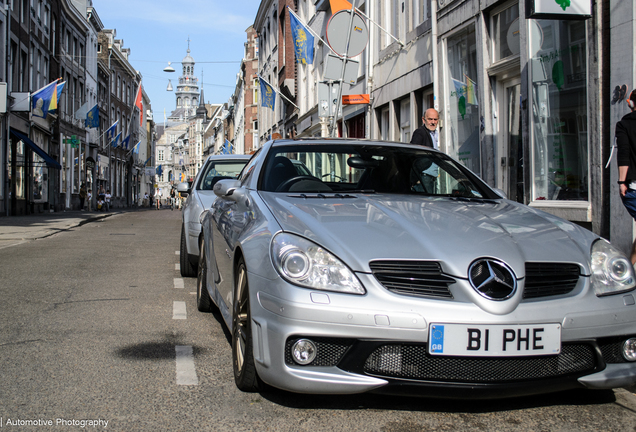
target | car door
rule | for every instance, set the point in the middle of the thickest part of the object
(223, 247)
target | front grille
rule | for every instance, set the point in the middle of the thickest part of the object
(412, 278)
(550, 279)
(413, 362)
(329, 351)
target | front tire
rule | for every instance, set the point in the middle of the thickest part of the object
(245, 375)
(204, 303)
(187, 269)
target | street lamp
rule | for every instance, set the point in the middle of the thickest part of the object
(168, 68)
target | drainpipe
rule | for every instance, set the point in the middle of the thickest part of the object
(435, 57)
(6, 116)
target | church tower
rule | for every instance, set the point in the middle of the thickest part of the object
(187, 93)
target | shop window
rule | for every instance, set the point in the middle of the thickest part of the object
(558, 62)
(461, 99)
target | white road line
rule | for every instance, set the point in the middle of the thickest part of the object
(177, 267)
(186, 372)
(176, 253)
(179, 310)
(178, 283)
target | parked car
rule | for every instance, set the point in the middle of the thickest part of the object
(200, 197)
(392, 268)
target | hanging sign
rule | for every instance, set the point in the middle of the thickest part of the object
(561, 9)
(355, 99)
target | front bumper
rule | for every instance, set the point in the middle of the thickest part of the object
(321, 316)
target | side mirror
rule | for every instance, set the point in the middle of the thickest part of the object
(228, 189)
(183, 189)
(500, 192)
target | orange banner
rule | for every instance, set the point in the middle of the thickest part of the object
(355, 99)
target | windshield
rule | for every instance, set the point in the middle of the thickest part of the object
(218, 170)
(369, 169)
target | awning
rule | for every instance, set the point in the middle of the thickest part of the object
(50, 162)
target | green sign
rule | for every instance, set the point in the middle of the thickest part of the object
(73, 141)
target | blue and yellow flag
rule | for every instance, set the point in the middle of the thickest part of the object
(92, 117)
(268, 95)
(125, 142)
(115, 142)
(110, 132)
(303, 41)
(44, 100)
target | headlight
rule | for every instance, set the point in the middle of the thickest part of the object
(612, 272)
(304, 263)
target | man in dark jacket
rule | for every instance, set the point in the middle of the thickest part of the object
(427, 134)
(626, 142)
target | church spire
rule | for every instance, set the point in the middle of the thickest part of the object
(187, 93)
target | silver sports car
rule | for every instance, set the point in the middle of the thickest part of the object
(344, 266)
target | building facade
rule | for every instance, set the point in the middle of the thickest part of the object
(46, 158)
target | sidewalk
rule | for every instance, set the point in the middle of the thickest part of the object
(37, 226)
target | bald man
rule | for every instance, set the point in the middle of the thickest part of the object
(427, 135)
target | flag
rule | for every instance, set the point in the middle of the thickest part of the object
(125, 142)
(471, 91)
(303, 41)
(81, 112)
(92, 117)
(136, 148)
(183, 178)
(139, 104)
(44, 100)
(116, 140)
(267, 94)
(159, 170)
(110, 132)
(147, 161)
(57, 94)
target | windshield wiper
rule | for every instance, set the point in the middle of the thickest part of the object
(474, 199)
(321, 195)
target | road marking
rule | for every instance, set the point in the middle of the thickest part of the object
(177, 253)
(178, 283)
(194, 293)
(177, 267)
(186, 372)
(179, 310)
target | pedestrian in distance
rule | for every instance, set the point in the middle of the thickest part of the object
(172, 198)
(107, 199)
(89, 195)
(158, 198)
(427, 135)
(626, 158)
(82, 196)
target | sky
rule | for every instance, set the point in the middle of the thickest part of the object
(157, 31)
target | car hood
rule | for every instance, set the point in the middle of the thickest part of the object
(455, 233)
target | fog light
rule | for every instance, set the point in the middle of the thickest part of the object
(629, 349)
(304, 351)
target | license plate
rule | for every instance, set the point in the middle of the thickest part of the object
(494, 340)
